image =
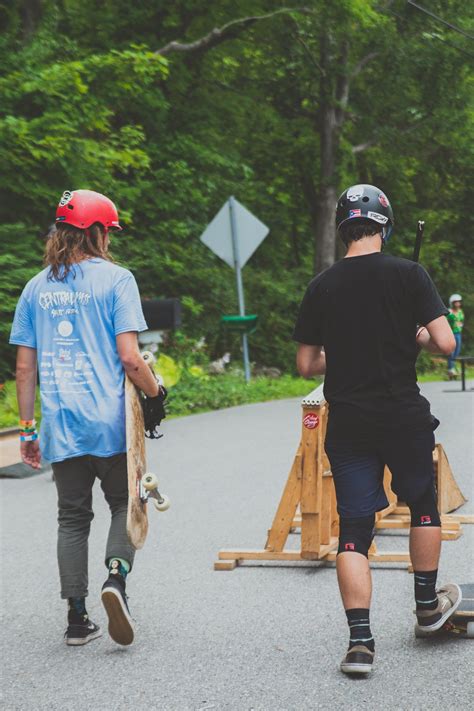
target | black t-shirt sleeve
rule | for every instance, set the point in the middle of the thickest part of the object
(427, 302)
(308, 327)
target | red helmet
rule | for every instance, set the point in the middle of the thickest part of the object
(81, 208)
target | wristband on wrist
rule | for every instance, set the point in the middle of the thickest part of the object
(28, 431)
(28, 436)
(419, 331)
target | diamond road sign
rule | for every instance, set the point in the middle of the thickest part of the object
(250, 234)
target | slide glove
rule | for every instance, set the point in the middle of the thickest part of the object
(154, 412)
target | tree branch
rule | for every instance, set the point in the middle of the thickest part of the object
(360, 65)
(376, 139)
(221, 34)
(360, 147)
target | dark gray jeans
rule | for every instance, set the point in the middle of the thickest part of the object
(74, 481)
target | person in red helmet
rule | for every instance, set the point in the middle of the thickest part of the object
(361, 323)
(76, 324)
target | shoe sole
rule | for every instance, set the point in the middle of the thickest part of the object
(79, 641)
(120, 622)
(356, 668)
(437, 625)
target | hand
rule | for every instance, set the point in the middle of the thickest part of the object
(154, 412)
(30, 454)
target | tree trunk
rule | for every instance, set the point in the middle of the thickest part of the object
(325, 234)
(325, 251)
(30, 16)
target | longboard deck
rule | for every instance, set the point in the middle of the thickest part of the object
(137, 517)
(462, 621)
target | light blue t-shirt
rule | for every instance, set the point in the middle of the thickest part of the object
(73, 325)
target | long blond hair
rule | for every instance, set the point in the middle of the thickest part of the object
(67, 245)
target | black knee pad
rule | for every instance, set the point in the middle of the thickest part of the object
(356, 534)
(424, 511)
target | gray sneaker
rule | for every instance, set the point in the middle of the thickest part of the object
(358, 660)
(449, 598)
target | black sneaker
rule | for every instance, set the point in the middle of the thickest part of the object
(115, 603)
(80, 631)
(358, 660)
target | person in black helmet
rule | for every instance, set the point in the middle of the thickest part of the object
(361, 323)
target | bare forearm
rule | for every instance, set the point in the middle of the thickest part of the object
(311, 365)
(26, 392)
(140, 374)
(427, 343)
(431, 347)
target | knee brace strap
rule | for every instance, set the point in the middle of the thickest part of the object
(356, 534)
(424, 511)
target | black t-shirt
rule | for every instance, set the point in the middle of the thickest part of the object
(364, 311)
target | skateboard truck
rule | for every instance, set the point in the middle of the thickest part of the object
(149, 490)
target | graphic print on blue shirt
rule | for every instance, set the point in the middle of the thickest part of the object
(73, 325)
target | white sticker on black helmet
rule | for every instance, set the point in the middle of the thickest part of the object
(355, 193)
(377, 217)
(66, 197)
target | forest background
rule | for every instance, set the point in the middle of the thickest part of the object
(169, 108)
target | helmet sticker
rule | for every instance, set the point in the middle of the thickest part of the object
(377, 217)
(66, 197)
(383, 200)
(355, 193)
(354, 213)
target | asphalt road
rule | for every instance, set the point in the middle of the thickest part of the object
(255, 638)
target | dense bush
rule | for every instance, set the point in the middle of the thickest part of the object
(169, 139)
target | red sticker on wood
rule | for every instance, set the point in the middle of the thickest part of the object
(311, 421)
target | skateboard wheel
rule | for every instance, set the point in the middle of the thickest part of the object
(149, 482)
(149, 358)
(162, 505)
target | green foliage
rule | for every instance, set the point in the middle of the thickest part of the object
(87, 103)
(9, 416)
(192, 395)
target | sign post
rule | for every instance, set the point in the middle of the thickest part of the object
(240, 286)
(234, 234)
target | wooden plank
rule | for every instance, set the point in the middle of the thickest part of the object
(309, 442)
(251, 554)
(450, 496)
(389, 557)
(326, 509)
(448, 535)
(310, 534)
(286, 510)
(462, 518)
(404, 522)
(392, 523)
(225, 564)
(401, 509)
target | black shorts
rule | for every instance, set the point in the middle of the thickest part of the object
(358, 468)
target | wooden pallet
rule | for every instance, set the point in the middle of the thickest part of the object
(308, 503)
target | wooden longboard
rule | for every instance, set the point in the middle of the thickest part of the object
(462, 620)
(141, 485)
(137, 516)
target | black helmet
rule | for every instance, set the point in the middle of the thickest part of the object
(365, 204)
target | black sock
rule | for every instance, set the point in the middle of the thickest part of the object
(76, 609)
(359, 625)
(425, 589)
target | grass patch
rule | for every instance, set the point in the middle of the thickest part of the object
(192, 395)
